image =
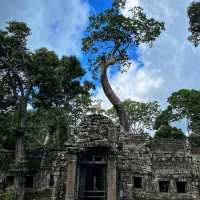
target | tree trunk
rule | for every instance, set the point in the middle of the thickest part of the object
(121, 112)
(19, 151)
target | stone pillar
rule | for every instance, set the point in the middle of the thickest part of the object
(71, 179)
(111, 181)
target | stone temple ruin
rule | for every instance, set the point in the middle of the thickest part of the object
(103, 164)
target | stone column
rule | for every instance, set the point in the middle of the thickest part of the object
(71, 179)
(111, 181)
(172, 187)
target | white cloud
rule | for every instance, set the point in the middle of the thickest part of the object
(137, 84)
(171, 64)
(129, 5)
(57, 25)
(172, 56)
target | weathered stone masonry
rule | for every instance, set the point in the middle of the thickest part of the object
(103, 164)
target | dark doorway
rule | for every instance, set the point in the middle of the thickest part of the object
(92, 176)
(10, 181)
(137, 182)
(164, 186)
(28, 181)
(181, 186)
(51, 180)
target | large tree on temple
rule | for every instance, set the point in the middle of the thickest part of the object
(110, 37)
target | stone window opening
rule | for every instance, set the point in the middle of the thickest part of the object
(51, 180)
(164, 186)
(10, 181)
(28, 181)
(137, 182)
(181, 186)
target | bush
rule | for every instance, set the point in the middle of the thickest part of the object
(8, 194)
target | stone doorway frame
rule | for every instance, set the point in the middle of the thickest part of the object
(89, 161)
(72, 174)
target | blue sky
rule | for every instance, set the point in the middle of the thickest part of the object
(171, 64)
(99, 5)
(57, 25)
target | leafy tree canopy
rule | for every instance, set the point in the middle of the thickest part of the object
(167, 131)
(194, 22)
(40, 77)
(183, 104)
(164, 118)
(110, 37)
(56, 80)
(186, 104)
(8, 122)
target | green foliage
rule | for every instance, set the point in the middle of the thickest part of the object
(166, 131)
(183, 104)
(19, 32)
(38, 128)
(163, 127)
(141, 115)
(186, 104)
(8, 123)
(111, 35)
(195, 140)
(47, 128)
(164, 118)
(109, 39)
(8, 194)
(14, 61)
(56, 80)
(39, 79)
(194, 22)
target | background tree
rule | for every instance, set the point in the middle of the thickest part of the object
(57, 80)
(15, 87)
(163, 127)
(38, 79)
(166, 131)
(47, 128)
(164, 118)
(185, 104)
(141, 115)
(110, 36)
(194, 22)
(8, 122)
(61, 122)
(194, 27)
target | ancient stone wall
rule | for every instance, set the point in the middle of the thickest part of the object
(137, 167)
(160, 165)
